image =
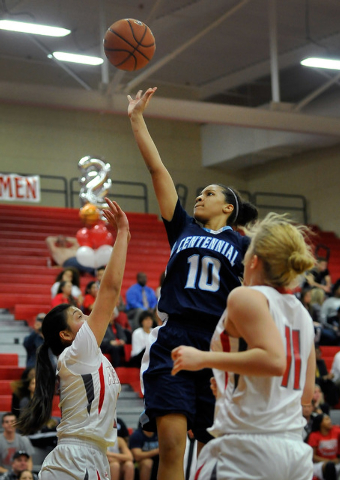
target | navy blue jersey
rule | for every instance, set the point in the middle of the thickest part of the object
(204, 266)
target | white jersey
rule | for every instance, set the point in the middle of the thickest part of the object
(253, 404)
(89, 388)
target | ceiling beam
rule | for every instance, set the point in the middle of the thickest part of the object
(182, 110)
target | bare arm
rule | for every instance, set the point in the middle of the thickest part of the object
(50, 242)
(162, 182)
(109, 290)
(308, 390)
(249, 318)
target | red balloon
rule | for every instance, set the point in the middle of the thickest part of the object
(108, 239)
(83, 237)
(98, 235)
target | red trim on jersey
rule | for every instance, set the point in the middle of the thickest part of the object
(102, 387)
(98, 476)
(297, 358)
(288, 357)
(198, 472)
(225, 342)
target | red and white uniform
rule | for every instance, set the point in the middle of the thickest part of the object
(258, 420)
(89, 388)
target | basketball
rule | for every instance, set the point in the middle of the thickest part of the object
(129, 44)
(89, 214)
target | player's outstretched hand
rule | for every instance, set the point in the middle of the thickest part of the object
(116, 217)
(186, 358)
(140, 102)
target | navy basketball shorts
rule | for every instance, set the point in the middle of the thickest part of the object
(186, 393)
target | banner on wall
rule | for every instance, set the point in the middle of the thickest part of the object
(14, 187)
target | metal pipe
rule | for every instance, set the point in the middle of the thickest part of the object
(102, 29)
(60, 64)
(156, 66)
(274, 66)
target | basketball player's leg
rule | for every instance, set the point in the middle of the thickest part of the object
(172, 431)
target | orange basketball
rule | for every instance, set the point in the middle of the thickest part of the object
(129, 44)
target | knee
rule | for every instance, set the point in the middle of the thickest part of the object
(145, 464)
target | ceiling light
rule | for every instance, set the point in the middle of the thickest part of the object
(321, 63)
(33, 28)
(72, 57)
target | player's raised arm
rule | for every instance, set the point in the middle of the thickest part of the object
(110, 285)
(163, 184)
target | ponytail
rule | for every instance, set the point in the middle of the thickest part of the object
(243, 213)
(38, 411)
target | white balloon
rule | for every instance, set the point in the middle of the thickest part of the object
(102, 255)
(86, 256)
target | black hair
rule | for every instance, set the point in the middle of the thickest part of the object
(335, 286)
(38, 412)
(88, 287)
(243, 213)
(144, 315)
(75, 276)
(7, 414)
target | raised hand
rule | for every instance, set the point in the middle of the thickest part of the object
(140, 102)
(116, 217)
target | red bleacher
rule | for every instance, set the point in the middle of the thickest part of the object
(25, 278)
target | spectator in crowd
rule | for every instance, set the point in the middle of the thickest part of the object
(113, 342)
(335, 370)
(91, 291)
(305, 299)
(63, 250)
(69, 274)
(139, 297)
(318, 401)
(11, 442)
(26, 475)
(64, 295)
(330, 307)
(18, 388)
(20, 461)
(325, 379)
(319, 276)
(144, 448)
(161, 280)
(323, 336)
(122, 430)
(140, 338)
(121, 461)
(309, 415)
(33, 341)
(324, 440)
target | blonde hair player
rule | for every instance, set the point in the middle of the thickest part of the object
(89, 385)
(263, 358)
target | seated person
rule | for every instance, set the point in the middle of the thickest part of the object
(113, 342)
(324, 439)
(20, 462)
(63, 250)
(69, 274)
(140, 338)
(330, 307)
(11, 442)
(91, 291)
(319, 276)
(139, 297)
(325, 379)
(26, 475)
(64, 295)
(121, 461)
(18, 388)
(33, 341)
(145, 451)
